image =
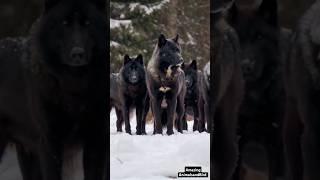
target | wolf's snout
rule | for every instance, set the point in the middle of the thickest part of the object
(188, 82)
(247, 66)
(77, 52)
(77, 55)
(134, 78)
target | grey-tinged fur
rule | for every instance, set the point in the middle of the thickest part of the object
(161, 87)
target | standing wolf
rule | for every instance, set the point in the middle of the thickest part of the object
(67, 62)
(128, 89)
(262, 109)
(193, 77)
(166, 84)
(302, 77)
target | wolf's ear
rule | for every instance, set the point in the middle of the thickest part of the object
(126, 59)
(193, 64)
(176, 39)
(162, 40)
(100, 4)
(140, 59)
(48, 4)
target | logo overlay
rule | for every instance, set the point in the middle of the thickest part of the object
(192, 172)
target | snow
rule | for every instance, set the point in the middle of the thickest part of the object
(117, 23)
(156, 157)
(148, 9)
(191, 39)
(114, 44)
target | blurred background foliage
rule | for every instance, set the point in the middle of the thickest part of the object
(136, 25)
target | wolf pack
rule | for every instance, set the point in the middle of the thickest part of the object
(167, 86)
(262, 87)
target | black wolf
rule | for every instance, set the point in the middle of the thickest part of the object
(227, 90)
(302, 77)
(262, 110)
(67, 63)
(130, 90)
(166, 84)
(192, 77)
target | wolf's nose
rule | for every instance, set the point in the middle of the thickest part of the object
(188, 82)
(247, 66)
(77, 53)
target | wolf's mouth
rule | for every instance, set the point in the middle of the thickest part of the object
(78, 57)
(173, 68)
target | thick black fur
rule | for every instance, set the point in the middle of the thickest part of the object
(192, 77)
(128, 90)
(262, 109)
(302, 121)
(67, 63)
(166, 84)
(228, 88)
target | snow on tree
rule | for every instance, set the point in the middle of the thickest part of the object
(136, 24)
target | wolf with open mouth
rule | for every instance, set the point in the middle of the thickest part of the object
(166, 84)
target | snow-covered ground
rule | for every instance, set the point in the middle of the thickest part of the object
(135, 157)
(156, 157)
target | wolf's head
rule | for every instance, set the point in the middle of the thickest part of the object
(191, 72)
(169, 56)
(256, 22)
(72, 33)
(133, 71)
